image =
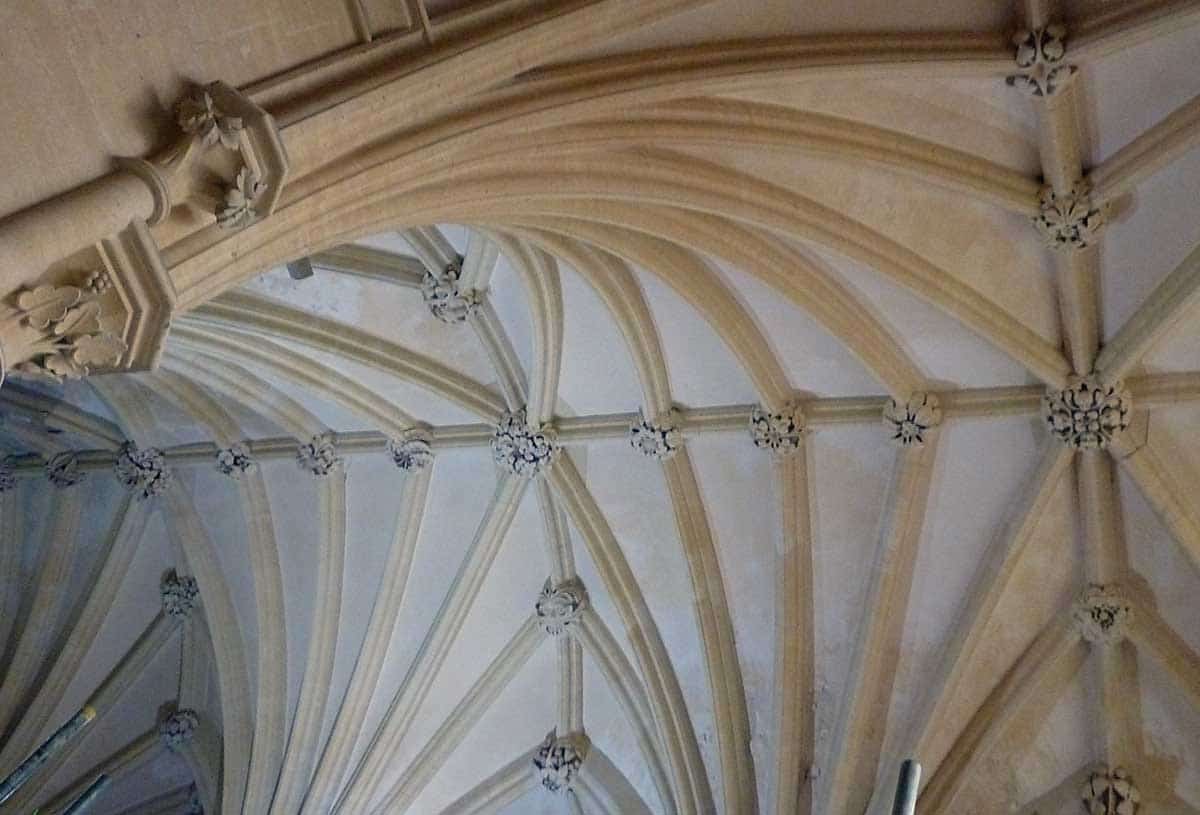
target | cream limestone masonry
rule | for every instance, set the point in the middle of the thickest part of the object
(696, 406)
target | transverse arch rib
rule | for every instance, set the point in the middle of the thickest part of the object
(483, 194)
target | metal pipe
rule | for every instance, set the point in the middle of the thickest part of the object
(906, 791)
(41, 755)
(88, 797)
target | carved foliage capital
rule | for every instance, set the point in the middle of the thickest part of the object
(224, 136)
(658, 438)
(67, 328)
(557, 761)
(144, 472)
(412, 450)
(1102, 614)
(910, 422)
(178, 729)
(522, 450)
(1040, 54)
(1110, 792)
(318, 455)
(558, 606)
(1087, 413)
(1069, 221)
(781, 432)
(106, 307)
(446, 299)
(180, 595)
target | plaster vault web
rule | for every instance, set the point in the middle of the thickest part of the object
(654, 432)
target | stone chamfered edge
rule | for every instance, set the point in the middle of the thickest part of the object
(132, 256)
(147, 294)
(267, 156)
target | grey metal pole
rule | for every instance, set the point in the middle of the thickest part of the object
(52, 745)
(88, 797)
(906, 791)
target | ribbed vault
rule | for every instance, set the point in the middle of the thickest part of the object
(678, 424)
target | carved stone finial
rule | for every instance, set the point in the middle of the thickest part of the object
(178, 729)
(180, 595)
(412, 450)
(1039, 57)
(63, 470)
(781, 432)
(318, 455)
(235, 460)
(521, 450)
(1110, 792)
(909, 422)
(238, 207)
(198, 115)
(558, 607)
(1102, 614)
(8, 477)
(1069, 221)
(1087, 413)
(659, 438)
(557, 761)
(144, 472)
(445, 299)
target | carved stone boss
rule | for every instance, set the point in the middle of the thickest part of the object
(83, 288)
(558, 606)
(557, 761)
(910, 422)
(1041, 67)
(1110, 792)
(177, 729)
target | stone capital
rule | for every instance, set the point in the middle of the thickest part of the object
(104, 308)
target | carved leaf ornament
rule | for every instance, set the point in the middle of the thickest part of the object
(557, 762)
(74, 337)
(197, 115)
(238, 209)
(1039, 57)
(1111, 793)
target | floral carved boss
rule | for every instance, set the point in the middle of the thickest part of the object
(1088, 413)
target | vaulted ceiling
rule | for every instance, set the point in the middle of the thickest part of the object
(746, 401)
